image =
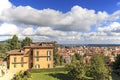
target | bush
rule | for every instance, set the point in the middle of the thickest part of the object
(116, 65)
(49, 70)
(22, 75)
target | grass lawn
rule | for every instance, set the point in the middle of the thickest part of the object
(59, 76)
(115, 77)
(50, 76)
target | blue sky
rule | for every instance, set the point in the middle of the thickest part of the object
(64, 21)
(65, 5)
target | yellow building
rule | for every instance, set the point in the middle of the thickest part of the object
(37, 55)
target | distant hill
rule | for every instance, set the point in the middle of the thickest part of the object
(2, 41)
(6, 41)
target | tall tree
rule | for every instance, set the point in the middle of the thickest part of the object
(61, 60)
(26, 42)
(78, 71)
(73, 59)
(57, 59)
(13, 43)
(116, 65)
(78, 56)
(98, 69)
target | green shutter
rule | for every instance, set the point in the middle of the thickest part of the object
(14, 59)
(22, 65)
(14, 65)
(22, 59)
(37, 53)
(37, 59)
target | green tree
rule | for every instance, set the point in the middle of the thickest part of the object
(78, 56)
(73, 59)
(3, 48)
(26, 42)
(116, 65)
(77, 71)
(12, 43)
(61, 60)
(22, 75)
(98, 69)
(56, 57)
(57, 61)
(8, 44)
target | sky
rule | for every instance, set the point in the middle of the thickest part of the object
(64, 21)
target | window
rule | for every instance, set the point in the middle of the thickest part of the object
(14, 59)
(37, 59)
(48, 53)
(37, 66)
(22, 65)
(48, 65)
(48, 58)
(14, 65)
(22, 59)
(37, 53)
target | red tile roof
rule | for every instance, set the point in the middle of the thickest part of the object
(15, 52)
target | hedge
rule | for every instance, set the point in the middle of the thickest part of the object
(48, 70)
(117, 71)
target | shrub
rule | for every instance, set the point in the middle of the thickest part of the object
(22, 75)
(48, 70)
(116, 65)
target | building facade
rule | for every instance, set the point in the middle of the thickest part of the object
(37, 55)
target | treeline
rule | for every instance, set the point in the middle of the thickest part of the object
(14, 43)
(97, 69)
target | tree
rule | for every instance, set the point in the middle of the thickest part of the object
(61, 60)
(56, 56)
(78, 71)
(98, 69)
(3, 48)
(22, 75)
(57, 59)
(73, 59)
(78, 56)
(116, 65)
(13, 43)
(26, 42)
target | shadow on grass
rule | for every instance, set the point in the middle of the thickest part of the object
(115, 76)
(60, 76)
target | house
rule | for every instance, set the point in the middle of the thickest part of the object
(37, 55)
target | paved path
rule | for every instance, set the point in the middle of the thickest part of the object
(9, 75)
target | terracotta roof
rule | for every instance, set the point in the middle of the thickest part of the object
(15, 52)
(42, 44)
(40, 47)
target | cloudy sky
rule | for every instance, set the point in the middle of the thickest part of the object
(64, 21)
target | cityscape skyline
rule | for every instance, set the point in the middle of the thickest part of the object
(69, 21)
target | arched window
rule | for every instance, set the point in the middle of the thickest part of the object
(37, 66)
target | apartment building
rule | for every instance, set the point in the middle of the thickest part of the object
(37, 55)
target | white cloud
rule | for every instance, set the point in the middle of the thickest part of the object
(4, 4)
(28, 31)
(118, 3)
(113, 27)
(73, 26)
(78, 19)
(49, 32)
(8, 29)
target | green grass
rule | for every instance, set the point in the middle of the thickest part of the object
(50, 76)
(42, 76)
(115, 77)
(59, 76)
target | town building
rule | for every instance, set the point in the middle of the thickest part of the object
(37, 55)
